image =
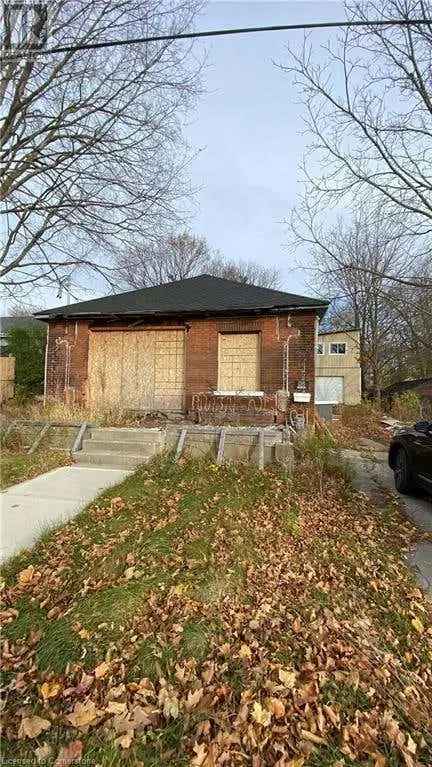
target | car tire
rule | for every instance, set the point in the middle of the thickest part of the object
(402, 473)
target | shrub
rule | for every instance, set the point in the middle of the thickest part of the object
(27, 345)
(407, 406)
(320, 453)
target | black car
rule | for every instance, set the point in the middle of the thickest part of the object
(410, 457)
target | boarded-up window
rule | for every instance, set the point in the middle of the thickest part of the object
(238, 362)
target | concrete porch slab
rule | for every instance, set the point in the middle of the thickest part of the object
(30, 507)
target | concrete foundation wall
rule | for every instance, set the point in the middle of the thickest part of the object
(237, 447)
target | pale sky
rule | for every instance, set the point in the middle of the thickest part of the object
(247, 127)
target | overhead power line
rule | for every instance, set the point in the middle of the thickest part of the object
(221, 32)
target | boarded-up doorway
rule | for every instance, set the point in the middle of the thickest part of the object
(142, 370)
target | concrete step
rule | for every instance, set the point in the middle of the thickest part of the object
(98, 445)
(110, 460)
(128, 435)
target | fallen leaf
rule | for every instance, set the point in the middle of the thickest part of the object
(245, 651)
(43, 752)
(261, 715)
(204, 756)
(140, 717)
(101, 670)
(84, 714)
(125, 740)
(69, 754)
(193, 699)
(277, 708)
(114, 707)
(169, 701)
(287, 678)
(25, 576)
(50, 690)
(418, 625)
(32, 726)
(313, 738)
(208, 673)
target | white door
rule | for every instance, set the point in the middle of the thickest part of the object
(329, 390)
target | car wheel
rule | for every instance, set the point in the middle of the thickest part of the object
(402, 474)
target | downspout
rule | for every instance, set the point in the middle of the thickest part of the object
(46, 367)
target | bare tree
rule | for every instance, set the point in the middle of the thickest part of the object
(22, 309)
(354, 263)
(177, 256)
(368, 110)
(90, 142)
(410, 355)
(247, 272)
(173, 257)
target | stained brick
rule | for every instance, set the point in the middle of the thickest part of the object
(68, 344)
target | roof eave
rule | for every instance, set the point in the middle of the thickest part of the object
(318, 309)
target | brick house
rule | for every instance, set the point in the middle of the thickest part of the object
(199, 345)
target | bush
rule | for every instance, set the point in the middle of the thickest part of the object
(407, 407)
(27, 345)
(319, 453)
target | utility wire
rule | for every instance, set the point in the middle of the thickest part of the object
(220, 32)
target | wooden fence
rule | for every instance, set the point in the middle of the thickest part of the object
(7, 378)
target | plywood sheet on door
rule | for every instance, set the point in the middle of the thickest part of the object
(137, 369)
(145, 365)
(169, 370)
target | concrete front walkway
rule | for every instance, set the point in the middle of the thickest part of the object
(28, 508)
(373, 473)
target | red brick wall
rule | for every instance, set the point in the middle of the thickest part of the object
(67, 340)
(201, 363)
(202, 351)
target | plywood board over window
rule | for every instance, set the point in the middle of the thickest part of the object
(142, 370)
(239, 362)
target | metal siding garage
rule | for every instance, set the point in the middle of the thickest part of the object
(141, 370)
(329, 389)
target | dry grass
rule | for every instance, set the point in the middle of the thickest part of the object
(18, 466)
(355, 421)
(200, 615)
(61, 412)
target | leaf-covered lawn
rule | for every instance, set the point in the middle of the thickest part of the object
(17, 467)
(204, 615)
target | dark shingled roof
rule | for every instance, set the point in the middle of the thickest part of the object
(194, 296)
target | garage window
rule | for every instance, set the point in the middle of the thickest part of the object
(239, 366)
(338, 348)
